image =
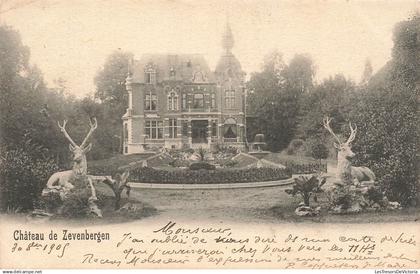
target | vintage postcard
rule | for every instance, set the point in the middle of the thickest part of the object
(209, 134)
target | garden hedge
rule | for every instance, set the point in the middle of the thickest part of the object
(306, 168)
(202, 166)
(218, 176)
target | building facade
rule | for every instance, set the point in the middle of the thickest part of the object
(176, 101)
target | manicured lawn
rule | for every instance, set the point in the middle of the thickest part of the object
(283, 158)
(267, 205)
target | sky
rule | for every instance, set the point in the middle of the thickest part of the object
(70, 39)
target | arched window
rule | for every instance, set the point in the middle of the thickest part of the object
(230, 129)
(172, 100)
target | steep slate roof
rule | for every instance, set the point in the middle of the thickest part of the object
(185, 65)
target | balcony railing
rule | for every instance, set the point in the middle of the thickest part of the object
(200, 110)
(230, 140)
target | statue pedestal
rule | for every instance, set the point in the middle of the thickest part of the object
(73, 201)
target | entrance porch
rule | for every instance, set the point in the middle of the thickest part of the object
(199, 131)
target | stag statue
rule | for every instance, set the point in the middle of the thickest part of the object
(347, 173)
(61, 181)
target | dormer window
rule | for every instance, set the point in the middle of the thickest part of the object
(150, 75)
(198, 77)
(149, 78)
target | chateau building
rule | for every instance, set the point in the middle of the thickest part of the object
(176, 101)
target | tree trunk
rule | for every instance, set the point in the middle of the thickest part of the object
(117, 200)
(306, 199)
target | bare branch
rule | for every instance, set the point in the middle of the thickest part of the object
(93, 126)
(326, 123)
(64, 131)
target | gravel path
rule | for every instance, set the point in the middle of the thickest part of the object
(246, 204)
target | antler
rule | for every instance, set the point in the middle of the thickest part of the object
(64, 131)
(92, 129)
(326, 122)
(352, 134)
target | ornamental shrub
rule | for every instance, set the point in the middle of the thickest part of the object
(319, 151)
(23, 174)
(294, 146)
(307, 187)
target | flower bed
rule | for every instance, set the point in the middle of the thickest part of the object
(202, 166)
(218, 176)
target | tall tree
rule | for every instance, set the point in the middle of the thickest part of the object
(21, 88)
(367, 73)
(110, 79)
(387, 117)
(299, 74)
(275, 100)
(24, 148)
(110, 90)
(28, 109)
(332, 97)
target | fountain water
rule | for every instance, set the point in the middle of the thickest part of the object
(258, 148)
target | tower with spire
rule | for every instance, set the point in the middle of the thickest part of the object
(227, 40)
(228, 66)
(230, 81)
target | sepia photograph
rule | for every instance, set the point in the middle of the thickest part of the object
(209, 134)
